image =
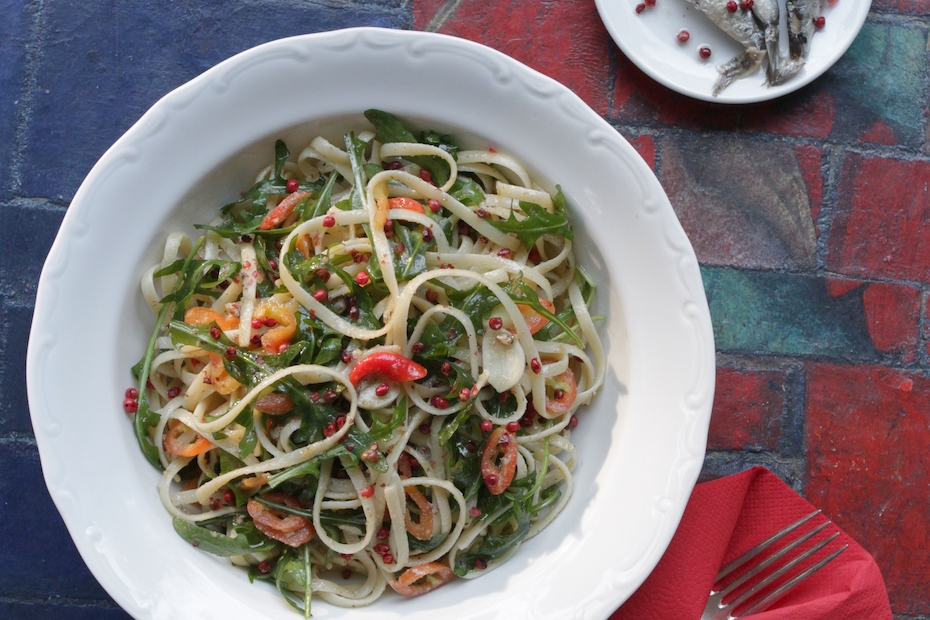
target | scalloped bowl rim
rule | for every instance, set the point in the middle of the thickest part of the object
(641, 443)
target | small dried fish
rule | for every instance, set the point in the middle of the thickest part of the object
(753, 24)
(802, 19)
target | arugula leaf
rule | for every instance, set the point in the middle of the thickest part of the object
(363, 301)
(307, 468)
(445, 142)
(293, 577)
(412, 261)
(281, 155)
(538, 222)
(523, 293)
(247, 540)
(323, 201)
(388, 128)
(382, 431)
(356, 150)
(494, 546)
(250, 437)
(423, 546)
(467, 191)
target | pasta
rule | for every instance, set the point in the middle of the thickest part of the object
(366, 372)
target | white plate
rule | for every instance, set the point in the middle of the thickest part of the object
(649, 40)
(641, 443)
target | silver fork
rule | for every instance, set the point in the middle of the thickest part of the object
(717, 609)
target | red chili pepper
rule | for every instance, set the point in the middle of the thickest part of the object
(392, 365)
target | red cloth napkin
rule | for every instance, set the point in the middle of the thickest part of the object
(726, 517)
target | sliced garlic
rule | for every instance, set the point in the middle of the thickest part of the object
(505, 363)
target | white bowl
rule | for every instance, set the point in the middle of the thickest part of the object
(640, 444)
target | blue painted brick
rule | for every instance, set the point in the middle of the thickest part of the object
(879, 82)
(26, 235)
(13, 33)
(106, 61)
(46, 561)
(14, 335)
(60, 611)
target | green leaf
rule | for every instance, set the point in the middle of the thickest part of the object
(467, 191)
(281, 155)
(523, 293)
(363, 301)
(382, 431)
(388, 128)
(538, 222)
(250, 437)
(293, 578)
(494, 546)
(426, 545)
(356, 150)
(323, 202)
(221, 544)
(411, 262)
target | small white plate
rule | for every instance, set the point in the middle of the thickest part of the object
(649, 40)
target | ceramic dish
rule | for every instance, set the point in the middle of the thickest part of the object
(640, 445)
(649, 39)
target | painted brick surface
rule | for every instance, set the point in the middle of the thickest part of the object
(41, 610)
(881, 79)
(785, 314)
(564, 40)
(13, 36)
(892, 314)
(871, 469)
(108, 61)
(747, 412)
(766, 223)
(15, 322)
(29, 228)
(915, 7)
(875, 94)
(46, 561)
(883, 219)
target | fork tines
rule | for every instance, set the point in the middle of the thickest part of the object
(738, 579)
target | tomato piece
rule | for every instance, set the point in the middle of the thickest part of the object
(304, 245)
(421, 579)
(402, 202)
(219, 377)
(285, 325)
(534, 320)
(422, 530)
(392, 365)
(292, 530)
(283, 210)
(204, 316)
(180, 440)
(565, 383)
(498, 478)
(274, 404)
